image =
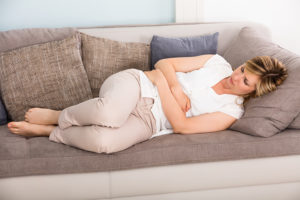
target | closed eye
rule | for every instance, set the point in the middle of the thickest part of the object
(245, 80)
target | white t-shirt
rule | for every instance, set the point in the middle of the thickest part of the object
(197, 85)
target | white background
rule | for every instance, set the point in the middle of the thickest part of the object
(281, 16)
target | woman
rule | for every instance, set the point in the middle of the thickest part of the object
(184, 95)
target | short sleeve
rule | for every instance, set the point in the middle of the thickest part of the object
(217, 61)
(234, 109)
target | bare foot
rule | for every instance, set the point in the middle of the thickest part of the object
(42, 116)
(27, 129)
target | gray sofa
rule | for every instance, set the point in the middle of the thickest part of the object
(220, 165)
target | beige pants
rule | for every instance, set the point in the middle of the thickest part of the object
(116, 120)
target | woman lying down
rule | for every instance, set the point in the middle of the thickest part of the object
(184, 95)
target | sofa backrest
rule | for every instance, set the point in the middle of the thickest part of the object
(143, 33)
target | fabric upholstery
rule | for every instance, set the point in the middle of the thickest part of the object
(273, 112)
(295, 124)
(35, 156)
(14, 39)
(49, 75)
(103, 57)
(20, 156)
(163, 47)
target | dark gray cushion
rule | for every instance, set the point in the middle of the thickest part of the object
(3, 113)
(163, 47)
(271, 113)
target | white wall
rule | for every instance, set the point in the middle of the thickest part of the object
(281, 16)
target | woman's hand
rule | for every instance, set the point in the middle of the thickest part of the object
(181, 98)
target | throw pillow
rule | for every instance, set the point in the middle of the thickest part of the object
(163, 47)
(25, 37)
(49, 75)
(272, 113)
(103, 57)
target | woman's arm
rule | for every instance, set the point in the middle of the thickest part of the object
(184, 64)
(168, 71)
(170, 107)
(170, 66)
(208, 122)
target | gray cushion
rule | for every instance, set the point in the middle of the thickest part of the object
(49, 75)
(14, 39)
(21, 156)
(295, 123)
(103, 57)
(271, 113)
(163, 47)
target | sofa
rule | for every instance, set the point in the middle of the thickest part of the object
(227, 164)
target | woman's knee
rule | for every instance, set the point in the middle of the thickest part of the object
(107, 145)
(110, 115)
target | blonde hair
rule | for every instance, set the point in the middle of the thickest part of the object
(271, 71)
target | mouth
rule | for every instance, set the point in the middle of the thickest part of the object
(230, 79)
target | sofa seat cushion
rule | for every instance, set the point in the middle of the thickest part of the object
(48, 75)
(21, 156)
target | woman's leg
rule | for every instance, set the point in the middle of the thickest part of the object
(118, 96)
(30, 130)
(42, 116)
(100, 139)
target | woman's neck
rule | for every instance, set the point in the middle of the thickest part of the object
(222, 87)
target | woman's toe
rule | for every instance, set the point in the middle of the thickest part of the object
(13, 125)
(10, 124)
(13, 130)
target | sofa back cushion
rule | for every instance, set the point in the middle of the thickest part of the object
(273, 112)
(103, 57)
(14, 39)
(49, 75)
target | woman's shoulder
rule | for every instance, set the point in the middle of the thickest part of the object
(217, 61)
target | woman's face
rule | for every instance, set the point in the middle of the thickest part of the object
(241, 81)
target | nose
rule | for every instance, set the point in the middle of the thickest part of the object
(237, 77)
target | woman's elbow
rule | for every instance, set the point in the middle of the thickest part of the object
(176, 130)
(179, 128)
(162, 63)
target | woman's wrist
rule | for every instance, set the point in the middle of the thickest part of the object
(175, 87)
